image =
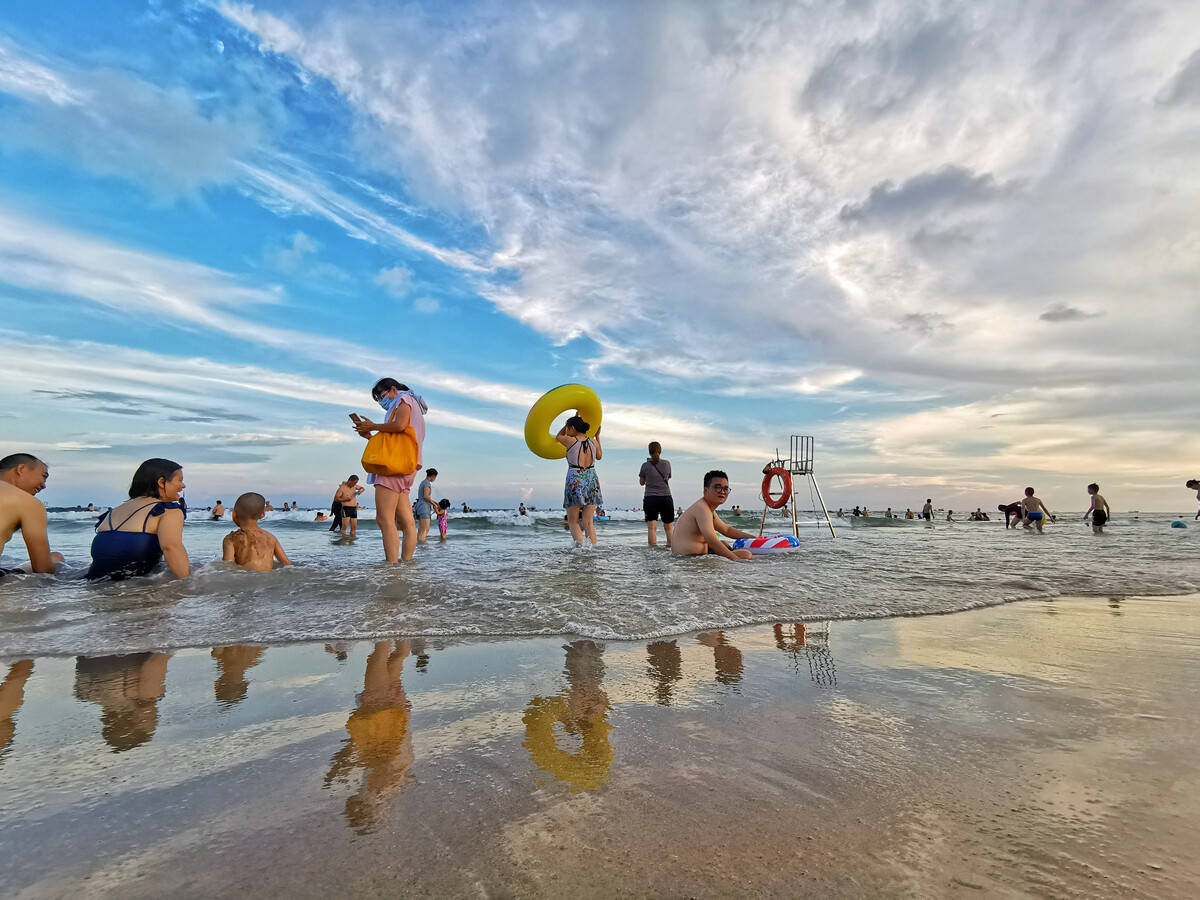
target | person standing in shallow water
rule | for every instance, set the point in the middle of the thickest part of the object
(1099, 510)
(393, 510)
(655, 475)
(581, 494)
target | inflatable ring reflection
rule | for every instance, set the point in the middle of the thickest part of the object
(549, 407)
(584, 770)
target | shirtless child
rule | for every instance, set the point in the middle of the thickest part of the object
(1099, 510)
(1034, 511)
(697, 530)
(250, 547)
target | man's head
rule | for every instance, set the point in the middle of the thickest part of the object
(431, 474)
(24, 471)
(1028, 492)
(716, 487)
(928, 499)
(655, 449)
(249, 507)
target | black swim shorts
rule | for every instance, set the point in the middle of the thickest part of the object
(349, 512)
(659, 506)
(4, 572)
(1099, 517)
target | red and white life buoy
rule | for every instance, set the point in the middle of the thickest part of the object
(786, 476)
(778, 543)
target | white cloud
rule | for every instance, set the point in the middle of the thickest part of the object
(425, 305)
(395, 280)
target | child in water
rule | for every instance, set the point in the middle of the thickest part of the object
(250, 547)
(443, 517)
(1098, 510)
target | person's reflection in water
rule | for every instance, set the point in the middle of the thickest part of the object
(796, 640)
(339, 650)
(1114, 603)
(12, 694)
(666, 667)
(380, 741)
(232, 663)
(128, 689)
(581, 710)
(421, 653)
(728, 658)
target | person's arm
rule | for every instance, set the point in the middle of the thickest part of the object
(564, 439)
(1107, 511)
(396, 423)
(33, 528)
(358, 489)
(728, 530)
(279, 554)
(226, 548)
(170, 538)
(1091, 509)
(642, 475)
(715, 544)
(599, 454)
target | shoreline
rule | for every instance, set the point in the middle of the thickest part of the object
(1042, 747)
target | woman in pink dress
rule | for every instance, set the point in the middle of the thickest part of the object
(393, 511)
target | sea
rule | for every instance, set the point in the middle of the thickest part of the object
(504, 574)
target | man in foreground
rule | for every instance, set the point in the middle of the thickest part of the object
(698, 530)
(21, 477)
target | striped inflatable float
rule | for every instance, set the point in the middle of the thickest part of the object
(779, 543)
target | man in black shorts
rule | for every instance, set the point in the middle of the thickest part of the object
(655, 475)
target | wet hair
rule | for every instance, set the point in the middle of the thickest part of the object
(18, 459)
(431, 473)
(928, 499)
(386, 384)
(655, 447)
(145, 479)
(580, 426)
(219, 503)
(715, 473)
(1191, 482)
(352, 478)
(443, 504)
(1028, 492)
(1094, 487)
(250, 505)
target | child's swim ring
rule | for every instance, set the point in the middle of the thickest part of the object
(1179, 524)
(779, 543)
(549, 407)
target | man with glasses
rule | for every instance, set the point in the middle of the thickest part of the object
(22, 476)
(699, 529)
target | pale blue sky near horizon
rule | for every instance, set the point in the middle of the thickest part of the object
(956, 242)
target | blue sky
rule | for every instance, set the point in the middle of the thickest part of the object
(958, 243)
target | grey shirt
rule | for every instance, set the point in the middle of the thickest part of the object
(656, 477)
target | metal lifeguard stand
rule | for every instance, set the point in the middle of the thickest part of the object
(798, 463)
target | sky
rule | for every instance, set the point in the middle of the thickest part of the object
(957, 243)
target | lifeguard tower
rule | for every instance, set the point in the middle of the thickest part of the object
(799, 464)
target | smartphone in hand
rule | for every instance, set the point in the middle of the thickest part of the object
(354, 417)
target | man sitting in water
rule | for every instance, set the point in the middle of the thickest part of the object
(218, 510)
(697, 530)
(1034, 510)
(251, 547)
(21, 477)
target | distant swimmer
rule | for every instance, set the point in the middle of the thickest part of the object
(888, 514)
(250, 547)
(218, 511)
(840, 514)
(521, 510)
(321, 517)
(1012, 513)
(1099, 510)
(909, 514)
(927, 510)
(698, 529)
(856, 512)
(949, 515)
(1194, 484)
(22, 476)
(425, 509)
(1034, 511)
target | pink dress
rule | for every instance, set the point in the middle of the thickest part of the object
(402, 484)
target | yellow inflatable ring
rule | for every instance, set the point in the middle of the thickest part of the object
(552, 405)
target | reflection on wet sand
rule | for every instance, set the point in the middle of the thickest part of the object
(380, 741)
(232, 663)
(12, 693)
(665, 668)
(128, 689)
(726, 657)
(581, 711)
(798, 640)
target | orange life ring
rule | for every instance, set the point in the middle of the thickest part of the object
(787, 487)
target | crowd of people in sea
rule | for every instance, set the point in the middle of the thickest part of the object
(134, 537)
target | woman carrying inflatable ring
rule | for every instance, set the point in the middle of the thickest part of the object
(581, 495)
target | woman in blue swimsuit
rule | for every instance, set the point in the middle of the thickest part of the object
(581, 494)
(132, 538)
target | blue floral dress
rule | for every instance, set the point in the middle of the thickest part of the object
(583, 484)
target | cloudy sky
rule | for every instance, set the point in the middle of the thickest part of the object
(959, 243)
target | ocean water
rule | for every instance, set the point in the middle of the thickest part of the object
(504, 574)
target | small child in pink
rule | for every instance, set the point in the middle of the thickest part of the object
(443, 517)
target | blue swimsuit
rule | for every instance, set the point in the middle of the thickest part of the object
(121, 554)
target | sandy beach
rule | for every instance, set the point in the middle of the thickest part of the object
(1044, 748)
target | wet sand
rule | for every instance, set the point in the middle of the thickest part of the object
(1049, 748)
